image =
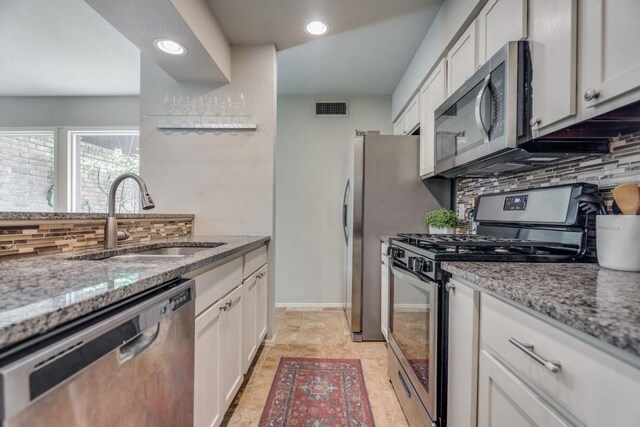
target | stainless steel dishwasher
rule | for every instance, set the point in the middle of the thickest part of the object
(128, 366)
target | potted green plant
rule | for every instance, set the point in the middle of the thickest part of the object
(441, 221)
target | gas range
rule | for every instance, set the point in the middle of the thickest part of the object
(541, 225)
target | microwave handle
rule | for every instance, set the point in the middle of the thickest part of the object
(479, 122)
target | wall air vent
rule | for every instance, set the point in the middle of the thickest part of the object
(332, 108)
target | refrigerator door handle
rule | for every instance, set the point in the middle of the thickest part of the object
(344, 212)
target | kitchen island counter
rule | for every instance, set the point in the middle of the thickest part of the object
(43, 293)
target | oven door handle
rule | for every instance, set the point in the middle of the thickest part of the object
(410, 278)
(479, 122)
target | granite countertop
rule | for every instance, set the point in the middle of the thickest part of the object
(602, 303)
(55, 216)
(41, 293)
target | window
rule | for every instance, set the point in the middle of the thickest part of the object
(27, 171)
(67, 170)
(98, 158)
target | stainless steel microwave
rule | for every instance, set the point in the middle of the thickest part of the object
(486, 115)
(483, 128)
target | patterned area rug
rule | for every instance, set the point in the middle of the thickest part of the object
(317, 393)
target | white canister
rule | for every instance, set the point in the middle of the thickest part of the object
(444, 230)
(618, 241)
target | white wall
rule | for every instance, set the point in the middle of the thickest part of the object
(69, 111)
(444, 30)
(225, 179)
(310, 176)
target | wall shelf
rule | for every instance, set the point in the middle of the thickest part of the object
(204, 122)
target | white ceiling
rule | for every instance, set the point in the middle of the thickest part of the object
(63, 48)
(365, 52)
(282, 21)
(369, 60)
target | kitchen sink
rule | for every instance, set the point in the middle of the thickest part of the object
(174, 251)
(168, 252)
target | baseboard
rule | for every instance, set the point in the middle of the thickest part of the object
(309, 305)
(269, 343)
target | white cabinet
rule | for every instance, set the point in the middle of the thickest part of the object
(208, 410)
(505, 401)
(250, 321)
(432, 95)
(577, 377)
(610, 57)
(464, 309)
(552, 40)
(261, 316)
(384, 291)
(409, 120)
(462, 59)
(412, 115)
(499, 22)
(255, 314)
(231, 345)
(398, 126)
(218, 359)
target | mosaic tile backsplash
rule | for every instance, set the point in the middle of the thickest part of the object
(24, 238)
(622, 165)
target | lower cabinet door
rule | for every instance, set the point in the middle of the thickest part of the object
(261, 316)
(462, 384)
(250, 307)
(505, 401)
(231, 335)
(208, 411)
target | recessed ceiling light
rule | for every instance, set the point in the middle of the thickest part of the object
(316, 28)
(170, 46)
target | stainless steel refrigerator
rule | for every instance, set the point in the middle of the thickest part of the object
(383, 196)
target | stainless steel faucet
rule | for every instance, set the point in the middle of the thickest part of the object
(111, 227)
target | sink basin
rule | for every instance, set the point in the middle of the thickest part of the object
(176, 251)
(149, 254)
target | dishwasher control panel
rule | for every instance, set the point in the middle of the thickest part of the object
(180, 299)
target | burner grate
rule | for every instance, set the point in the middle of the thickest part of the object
(477, 241)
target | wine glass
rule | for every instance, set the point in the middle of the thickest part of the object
(186, 105)
(170, 103)
(199, 106)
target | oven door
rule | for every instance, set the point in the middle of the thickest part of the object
(414, 329)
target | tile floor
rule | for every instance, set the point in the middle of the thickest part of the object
(316, 333)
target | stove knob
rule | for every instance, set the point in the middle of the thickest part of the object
(412, 262)
(418, 265)
(399, 253)
(429, 266)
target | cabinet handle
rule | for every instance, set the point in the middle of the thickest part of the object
(535, 121)
(553, 366)
(591, 94)
(450, 287)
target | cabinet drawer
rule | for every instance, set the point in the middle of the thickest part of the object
(254, 260)
(214, 284)
(591, 385)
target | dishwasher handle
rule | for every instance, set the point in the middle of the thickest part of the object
(139, 344)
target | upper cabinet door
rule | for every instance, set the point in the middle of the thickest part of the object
(499, 22)
(610, 56)
(432, 95)
(398, 126)
(462, 59)
(412, 115)
(552, 40)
